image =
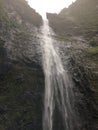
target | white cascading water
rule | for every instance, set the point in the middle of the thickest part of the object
(58, 84)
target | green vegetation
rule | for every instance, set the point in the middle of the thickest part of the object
(92, 54)
(93, 50)
(62, 38)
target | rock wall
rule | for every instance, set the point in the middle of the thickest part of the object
(21, 75)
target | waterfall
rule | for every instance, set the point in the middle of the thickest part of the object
(58, 84)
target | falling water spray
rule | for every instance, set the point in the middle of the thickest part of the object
(58, 84)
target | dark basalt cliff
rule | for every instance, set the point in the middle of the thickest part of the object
(21, 76)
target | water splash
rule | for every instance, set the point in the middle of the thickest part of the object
(58, 84)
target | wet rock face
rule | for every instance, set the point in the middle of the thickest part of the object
(4, 68)
(21, 75)
(4, 64)
(84, 95)
(85, 105)
(21, 89)
(21, 96)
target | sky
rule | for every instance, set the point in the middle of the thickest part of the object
(52, 6)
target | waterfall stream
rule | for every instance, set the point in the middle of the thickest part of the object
(58, 84)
